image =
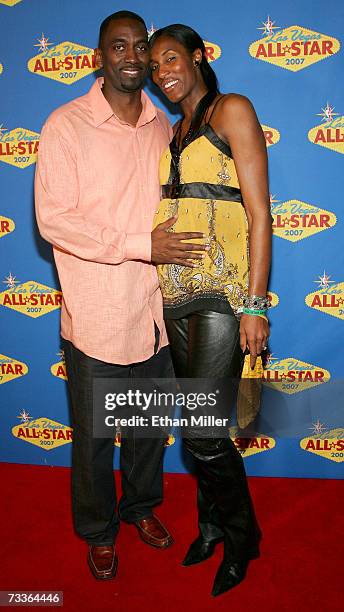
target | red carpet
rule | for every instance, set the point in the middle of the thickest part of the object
(301, 566)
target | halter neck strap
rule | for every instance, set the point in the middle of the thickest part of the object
(214, 107)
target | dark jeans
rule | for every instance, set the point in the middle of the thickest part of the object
(94, 502)
(205, 344)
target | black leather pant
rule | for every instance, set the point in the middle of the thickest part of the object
(205, 344)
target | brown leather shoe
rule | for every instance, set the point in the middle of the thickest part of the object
(153, 532)
(103, 562)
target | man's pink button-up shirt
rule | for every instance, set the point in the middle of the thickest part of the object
(96, 192)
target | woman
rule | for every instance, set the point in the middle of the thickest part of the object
(214, 180)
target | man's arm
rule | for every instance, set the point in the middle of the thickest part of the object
(61, 222)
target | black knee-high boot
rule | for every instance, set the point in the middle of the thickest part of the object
(209, 519)
(227, 509)
(238, 521)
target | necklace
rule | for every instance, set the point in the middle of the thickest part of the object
(178, 144)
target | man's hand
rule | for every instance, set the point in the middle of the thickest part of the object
(167, 247)
(254, 334)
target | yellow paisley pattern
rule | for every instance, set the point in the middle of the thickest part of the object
(223, 273)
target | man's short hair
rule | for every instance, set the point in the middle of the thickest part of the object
(119, 15)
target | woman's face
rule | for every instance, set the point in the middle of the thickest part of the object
(173, 68)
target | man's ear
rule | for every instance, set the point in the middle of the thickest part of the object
(98, 57)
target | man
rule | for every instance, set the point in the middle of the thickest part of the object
(96, 192)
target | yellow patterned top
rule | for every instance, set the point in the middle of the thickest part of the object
(207, 198)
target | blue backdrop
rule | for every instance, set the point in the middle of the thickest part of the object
(286, 58)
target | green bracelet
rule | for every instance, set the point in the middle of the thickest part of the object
(251, 311)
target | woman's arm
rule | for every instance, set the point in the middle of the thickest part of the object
(237, 122)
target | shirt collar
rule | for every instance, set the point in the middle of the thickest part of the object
(102, 111)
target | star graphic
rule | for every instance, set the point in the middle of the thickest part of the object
(10, 281)
(287, 221)
(151, 31)
(2, 129)
(286, 48)
(60, 64)
(272, 199)
(327, 113)
(43, 43)
(14, 149)
(24, 416)
(340, 300)
(317, 428)
(324, 281)
(283, 376)
(269, 26)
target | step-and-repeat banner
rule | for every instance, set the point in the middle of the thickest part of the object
(287, 58)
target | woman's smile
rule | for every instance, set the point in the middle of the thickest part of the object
(169, 84)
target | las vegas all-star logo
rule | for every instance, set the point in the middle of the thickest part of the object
(295, 220)
(330, 132)
(292, 48)
(251, 445)
(11, 368)
(328, 298)
(325, 443)
(43, 432)
(18, 147)
(66, 62)
(30, 298)
(291, 375)
(7, 226)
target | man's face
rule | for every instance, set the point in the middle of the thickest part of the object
(124, 54)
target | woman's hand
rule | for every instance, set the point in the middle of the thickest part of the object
(254, 334)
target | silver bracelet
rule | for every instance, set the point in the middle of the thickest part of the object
(256, 302)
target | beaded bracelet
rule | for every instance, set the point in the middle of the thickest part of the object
(256, 302)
